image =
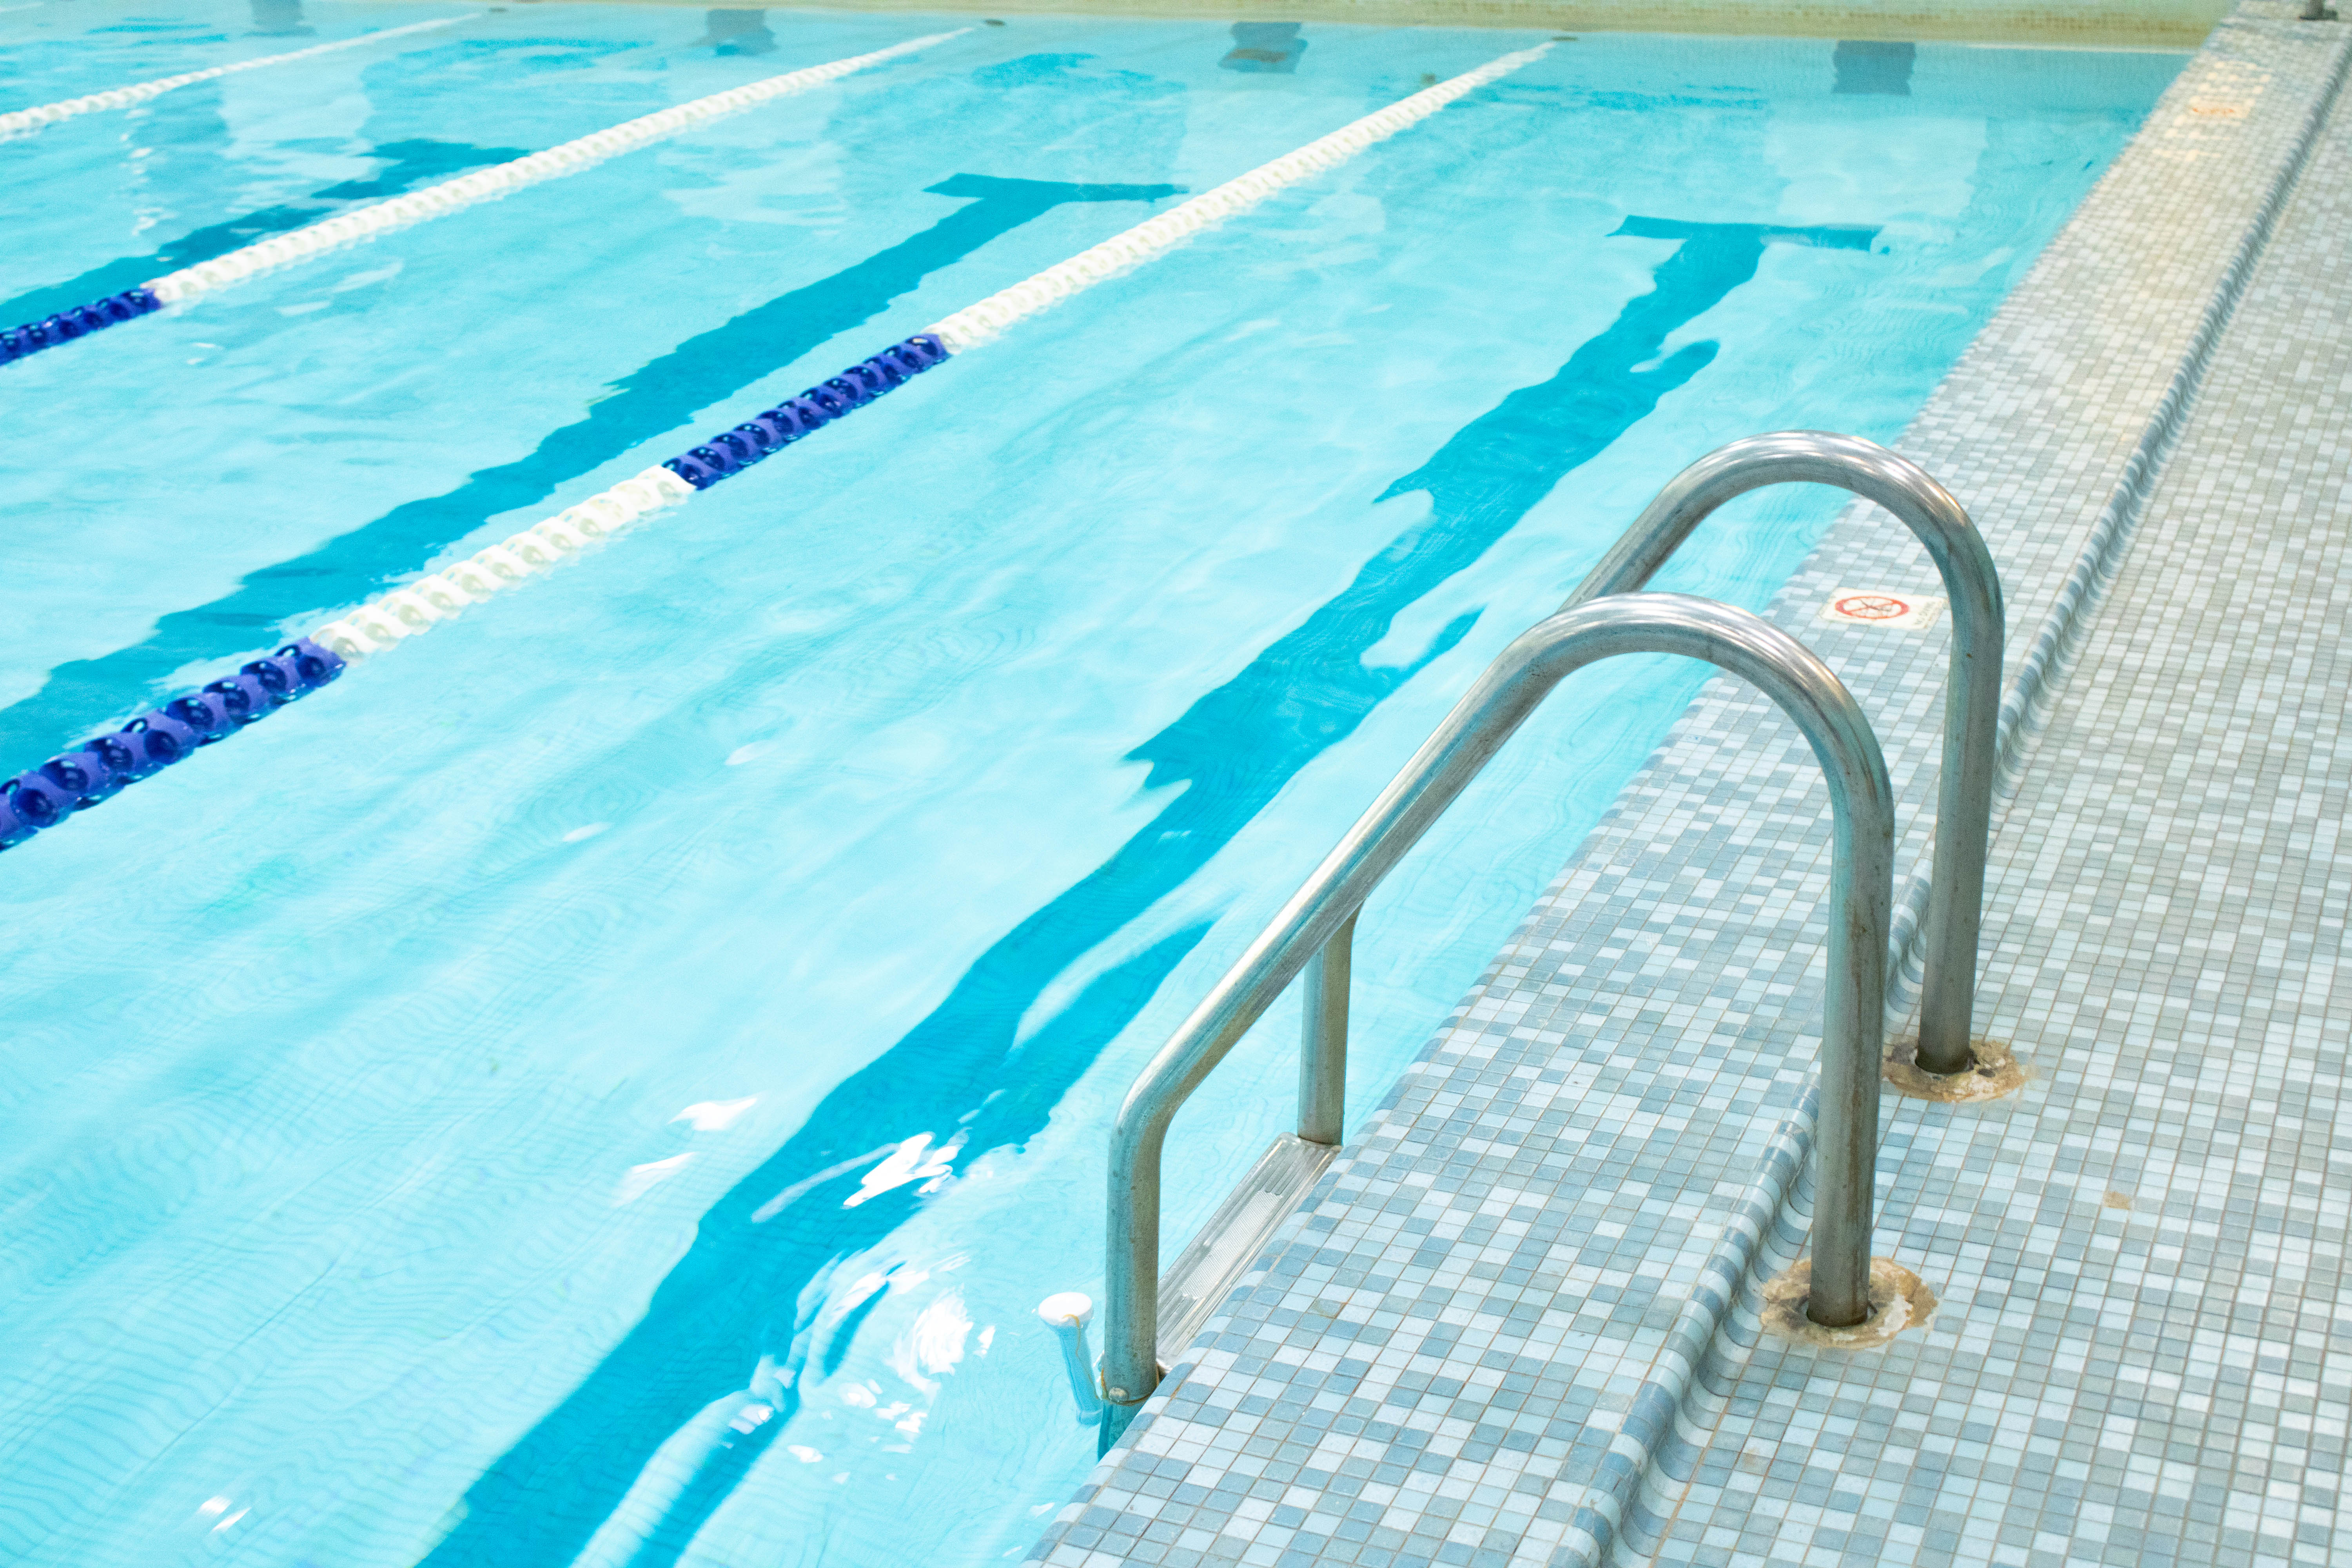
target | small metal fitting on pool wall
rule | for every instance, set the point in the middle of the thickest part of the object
(97, 769)
(1992, 1072)
(1897, 1301)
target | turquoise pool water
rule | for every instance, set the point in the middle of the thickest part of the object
(610, 1084)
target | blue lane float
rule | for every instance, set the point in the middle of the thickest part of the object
(99, 768)
(64, 327)
(771, 430)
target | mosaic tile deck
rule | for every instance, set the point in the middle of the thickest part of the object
(2087, 24)
(2139, 1255)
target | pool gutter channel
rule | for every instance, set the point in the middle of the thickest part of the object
(1622, 1512)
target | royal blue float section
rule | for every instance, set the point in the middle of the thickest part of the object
(78, 322)
(76, 780)
(732, 451)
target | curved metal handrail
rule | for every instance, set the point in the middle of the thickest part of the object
(1972, 696)
(1322, 912)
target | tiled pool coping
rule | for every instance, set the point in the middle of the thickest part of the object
(2042, 24)
(2144, 1252)
(1460, 1353)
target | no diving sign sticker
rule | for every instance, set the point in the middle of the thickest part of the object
(1898, 609)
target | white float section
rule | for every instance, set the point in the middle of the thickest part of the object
(24, 121)
(450, 196)
(976, 324)
(384, 620)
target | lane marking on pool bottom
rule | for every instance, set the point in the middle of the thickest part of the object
(433, 201)
(94, 770)
(25, 122)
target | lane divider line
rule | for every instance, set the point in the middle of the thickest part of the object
(25, 122)
(96, 769)
(433, 201)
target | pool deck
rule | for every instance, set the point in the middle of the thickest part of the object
(2046, 24)
(1516, 1323)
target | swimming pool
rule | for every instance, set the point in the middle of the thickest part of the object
(611, 1085)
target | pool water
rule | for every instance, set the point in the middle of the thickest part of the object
(610, 1084)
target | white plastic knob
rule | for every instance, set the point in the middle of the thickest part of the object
(1066, 1307)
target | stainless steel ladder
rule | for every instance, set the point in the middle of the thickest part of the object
(1313, 934)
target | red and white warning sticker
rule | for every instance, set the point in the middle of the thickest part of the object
(1897, 608)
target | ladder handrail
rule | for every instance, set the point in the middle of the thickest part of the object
(1973, 691)
(1319, 916)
